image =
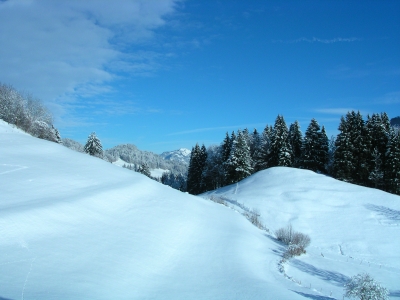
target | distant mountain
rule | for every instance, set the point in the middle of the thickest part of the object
(132, 155)
(395, 122)
(181, 155)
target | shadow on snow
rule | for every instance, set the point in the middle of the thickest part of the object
(334, 277)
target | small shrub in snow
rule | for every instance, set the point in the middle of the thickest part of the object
(254, 217)
(285, 234)
(296, 241)
(364, 287)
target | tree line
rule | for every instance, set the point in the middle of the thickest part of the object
(27, 113)
(365, 152)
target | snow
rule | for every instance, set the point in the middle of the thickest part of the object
(75, 227)
(353, 229)
(157, 173)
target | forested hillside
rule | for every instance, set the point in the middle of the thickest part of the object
(365, 152)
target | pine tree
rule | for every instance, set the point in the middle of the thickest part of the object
(197, 163)
(376, 175)
(144, 169)
(392, 166)
(324, 150)
(93, 146)
(281, 151)
(213, 173)
(262, 153)
(343, 162)
(295, 139)
(311, 148)
(255, 147)
(226, 148)
(239, 164)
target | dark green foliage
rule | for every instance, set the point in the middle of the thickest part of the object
(280, 151)
(239, 164)
(93, 146)
(315, 148)
(262, 153)
(144, 169)
(392, 166)
(213, 176)
(295, 139)
(197, 164)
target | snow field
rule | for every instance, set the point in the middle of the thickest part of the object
(76, 227)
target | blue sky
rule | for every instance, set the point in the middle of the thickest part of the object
(166, 74)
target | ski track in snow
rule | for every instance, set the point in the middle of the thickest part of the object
(14, 168)
(27, 277)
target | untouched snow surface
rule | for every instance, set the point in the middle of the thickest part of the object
(76, 227)
(353, 229)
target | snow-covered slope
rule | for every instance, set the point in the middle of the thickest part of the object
(76, 227)
(182, 155)
(353, 229)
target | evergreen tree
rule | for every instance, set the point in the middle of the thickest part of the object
(197, 162)
(376, 175)
(324, 150)
(351, 156)
(255, 147)
(226, 148)
(295, 139)
(343, 163)
(93, 146)
(311, 147)
(331, 154)
(377, 129)
(239, 164)
(280, 151)
(144, 169)
(392, 166)
(262, 153)
(213, 173)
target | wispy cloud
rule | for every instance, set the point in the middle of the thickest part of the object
(389, 98)
(318, 40)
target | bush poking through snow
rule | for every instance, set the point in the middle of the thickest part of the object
(254, 217)
(364, 287)
(296, 241)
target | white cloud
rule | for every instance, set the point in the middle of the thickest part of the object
(54, 49)
(323, 41)
(389, 98)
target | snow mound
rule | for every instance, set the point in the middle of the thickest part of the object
(353, 229)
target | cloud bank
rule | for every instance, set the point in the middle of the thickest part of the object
(55, 48)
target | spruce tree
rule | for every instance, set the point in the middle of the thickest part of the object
(392, 166)
(255, 147)
(310, 148)
(296, 141)
(213, 173)
(281, 151)
(239, 164)
(262, 153)
(343, 162)
(197, 162)
(144, 169)
(93, 146)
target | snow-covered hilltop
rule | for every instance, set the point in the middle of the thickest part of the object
(181, 155)
(73, 226)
